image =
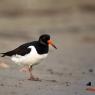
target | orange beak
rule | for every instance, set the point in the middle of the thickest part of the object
(51, 43)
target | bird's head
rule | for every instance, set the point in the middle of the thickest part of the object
(45, 40)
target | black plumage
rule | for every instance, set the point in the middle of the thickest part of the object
(41, 46)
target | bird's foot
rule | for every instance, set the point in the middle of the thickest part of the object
(34, 79)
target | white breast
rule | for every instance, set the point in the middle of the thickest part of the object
(32, 58)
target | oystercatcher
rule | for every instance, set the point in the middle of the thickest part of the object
(30, 54)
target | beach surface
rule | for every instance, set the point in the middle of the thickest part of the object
(66, 71)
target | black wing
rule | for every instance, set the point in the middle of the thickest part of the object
(21, 50)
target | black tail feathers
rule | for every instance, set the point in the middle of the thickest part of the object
(2, 54)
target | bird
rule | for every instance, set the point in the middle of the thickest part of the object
(31, 53)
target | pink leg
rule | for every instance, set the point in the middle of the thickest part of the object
(31, 76)
(24, 69)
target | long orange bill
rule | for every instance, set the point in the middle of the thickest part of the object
(51, 43)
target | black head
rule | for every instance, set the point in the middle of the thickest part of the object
(45, 40)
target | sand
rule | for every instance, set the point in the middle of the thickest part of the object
(66, 71)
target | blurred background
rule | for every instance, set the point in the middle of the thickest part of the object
(26, 19)
(27, 16)
(71, 24)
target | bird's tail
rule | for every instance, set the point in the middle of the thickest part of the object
(2, 54)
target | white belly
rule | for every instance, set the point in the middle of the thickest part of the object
(30, 59)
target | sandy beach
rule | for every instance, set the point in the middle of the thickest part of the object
(65, 72)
